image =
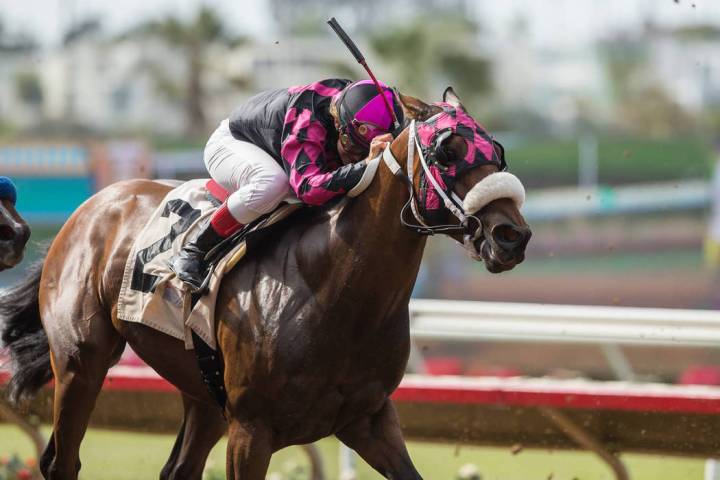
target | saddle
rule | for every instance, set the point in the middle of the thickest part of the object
(151, 294)
(253, 232)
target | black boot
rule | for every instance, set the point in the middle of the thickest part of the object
(190, 264)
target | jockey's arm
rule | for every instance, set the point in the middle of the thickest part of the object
(304, 151)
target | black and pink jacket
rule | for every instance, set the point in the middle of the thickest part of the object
(294, 126)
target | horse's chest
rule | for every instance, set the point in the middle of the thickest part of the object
(330, 378)
(345, 351)
(308, 409)
(313, 364)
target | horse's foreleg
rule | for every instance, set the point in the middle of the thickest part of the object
(378, 440)
(202, 427)
(249, 451)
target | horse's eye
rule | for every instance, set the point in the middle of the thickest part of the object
(443, 156)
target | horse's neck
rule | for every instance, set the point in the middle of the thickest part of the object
(385, 255)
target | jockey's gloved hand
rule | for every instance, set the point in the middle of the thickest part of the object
(378, 144)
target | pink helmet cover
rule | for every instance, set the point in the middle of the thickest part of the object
(373, 116)
(376, 113)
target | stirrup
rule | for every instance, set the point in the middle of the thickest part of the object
(203, 288)
(192, 289)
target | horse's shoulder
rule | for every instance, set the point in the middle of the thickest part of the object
(284, 255)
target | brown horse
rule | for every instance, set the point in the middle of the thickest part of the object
(14, 234)
(313, 326)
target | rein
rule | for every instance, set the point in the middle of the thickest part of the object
(454, 204)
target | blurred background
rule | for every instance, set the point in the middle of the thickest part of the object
(609, 111)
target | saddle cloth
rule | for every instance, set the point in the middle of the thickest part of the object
(150, 293)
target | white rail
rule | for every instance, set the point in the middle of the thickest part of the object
(560, 203)
(517, 322)
(607, 327)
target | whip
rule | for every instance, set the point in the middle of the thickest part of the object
(361, 60)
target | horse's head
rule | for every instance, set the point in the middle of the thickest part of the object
(14, 234)
(462, 189)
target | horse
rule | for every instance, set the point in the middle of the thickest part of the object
(14, 234)
(312, 326)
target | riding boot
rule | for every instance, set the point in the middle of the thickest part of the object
(191, 265)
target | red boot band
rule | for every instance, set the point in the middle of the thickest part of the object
(224, 223)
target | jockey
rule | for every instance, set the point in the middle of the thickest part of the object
(312, 141)
(8, 190)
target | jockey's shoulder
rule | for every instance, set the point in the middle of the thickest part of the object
(325, 87)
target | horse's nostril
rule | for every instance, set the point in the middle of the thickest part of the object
(510, 236)
(506, 234)
(6, 233)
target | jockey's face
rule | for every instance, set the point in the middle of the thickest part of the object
(350, 152)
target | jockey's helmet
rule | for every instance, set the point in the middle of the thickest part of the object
(7, 190)
(362, 114)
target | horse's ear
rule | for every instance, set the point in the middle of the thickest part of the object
(449, 96)
(415, 109)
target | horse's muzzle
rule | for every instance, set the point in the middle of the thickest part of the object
(12, 244)
(503, 248)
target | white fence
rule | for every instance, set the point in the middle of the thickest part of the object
(518, 322)
(607, 327)
(560, 203)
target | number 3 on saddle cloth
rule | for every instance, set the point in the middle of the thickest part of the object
(151, 294)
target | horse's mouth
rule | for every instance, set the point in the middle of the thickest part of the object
(497, 262)
(10, 260)
(6, 266)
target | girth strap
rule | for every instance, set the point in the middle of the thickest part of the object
(211, 369)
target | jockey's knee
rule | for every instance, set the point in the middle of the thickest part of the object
(273, 187)
(262, 196)
(276, 183)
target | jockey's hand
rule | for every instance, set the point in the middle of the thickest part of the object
(378, 144)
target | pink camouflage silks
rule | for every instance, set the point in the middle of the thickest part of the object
(315, 172)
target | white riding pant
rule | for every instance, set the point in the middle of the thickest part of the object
(257, 184)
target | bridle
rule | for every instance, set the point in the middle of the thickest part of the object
(494, 186)
(452, 201)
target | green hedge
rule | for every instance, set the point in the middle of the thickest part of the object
(550, 162)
